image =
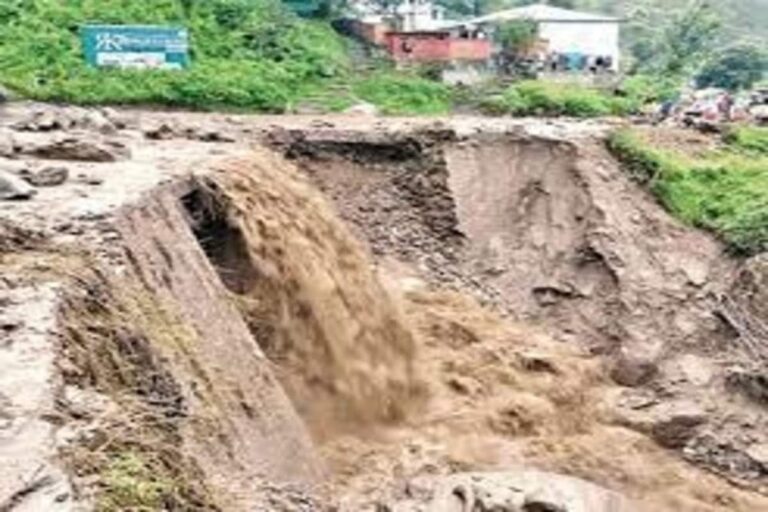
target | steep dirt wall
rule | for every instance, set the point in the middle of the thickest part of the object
(573, 241)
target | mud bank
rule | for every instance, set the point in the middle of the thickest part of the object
(381, 321)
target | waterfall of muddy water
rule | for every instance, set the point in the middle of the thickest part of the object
(312, 299)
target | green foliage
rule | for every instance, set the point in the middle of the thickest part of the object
(130, 483)
(674, 41)
(752, 139)
(516, 35)
(724, 191)
(555, 99)
(644, 89)
(249, 54)
(737, 67)
(404, 94)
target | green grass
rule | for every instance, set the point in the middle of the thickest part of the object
(749, 138)
(401, 94)
(247, 54)
(540, 98)
(130, 483)
(725, 191)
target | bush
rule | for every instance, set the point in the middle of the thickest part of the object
(643, 89)
(554, 99)
(245, 53)
(404, 94)
(748, 138)
(724, 191)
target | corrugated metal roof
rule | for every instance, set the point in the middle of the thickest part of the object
(541, 13)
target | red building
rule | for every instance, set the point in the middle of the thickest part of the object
(436, 46)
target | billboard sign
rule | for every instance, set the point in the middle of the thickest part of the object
(135, 46)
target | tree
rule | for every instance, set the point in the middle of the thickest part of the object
(515, 37)
(676, 42)
(737, 67)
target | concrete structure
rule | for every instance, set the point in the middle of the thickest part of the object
(407, 16)
(564, 31)
(436, 46)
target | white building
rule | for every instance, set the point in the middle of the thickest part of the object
(408, 15)
(565, 31)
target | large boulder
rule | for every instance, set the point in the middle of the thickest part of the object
(513, 491)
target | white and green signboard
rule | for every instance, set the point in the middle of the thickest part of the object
(135, 46)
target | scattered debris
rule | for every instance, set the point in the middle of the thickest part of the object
(523, 491)
(79, 148)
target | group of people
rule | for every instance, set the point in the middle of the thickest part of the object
(713, 106)
(575, 61)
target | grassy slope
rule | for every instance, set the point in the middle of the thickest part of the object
(725, 190)
(247, 53)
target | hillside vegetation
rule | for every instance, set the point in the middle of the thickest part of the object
(246, 53)
(540, 98)
(724, 190)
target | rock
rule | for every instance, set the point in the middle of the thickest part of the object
(513, 491)
(634, 367)
(47, 176)
(759, 454)
(670, 423)
(752, 383)
(95, 120)
(14, 188)
(212, 135)
(163, 131)
(113, 116)
(90, 179)
(80, 149)
(677, 427)
(363, 108)
(45, 120)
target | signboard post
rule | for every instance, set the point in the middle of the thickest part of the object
(135, 46)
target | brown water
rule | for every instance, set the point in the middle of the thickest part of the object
(315, 305)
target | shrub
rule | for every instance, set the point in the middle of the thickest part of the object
(404, 94)
(553, 99)
(643, 89)
(748, 138)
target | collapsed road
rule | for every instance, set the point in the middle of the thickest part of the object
(216, 312)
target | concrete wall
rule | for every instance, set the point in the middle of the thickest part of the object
(590, 38)
(436, 47)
